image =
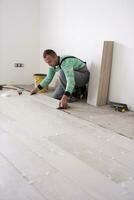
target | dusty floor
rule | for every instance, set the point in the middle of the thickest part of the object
(50, 154)
(106, 117)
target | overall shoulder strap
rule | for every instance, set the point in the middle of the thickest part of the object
(67, 58)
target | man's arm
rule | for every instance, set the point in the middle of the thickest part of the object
(69, 74)
(46, 81)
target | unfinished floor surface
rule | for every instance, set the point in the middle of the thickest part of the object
(48, 154)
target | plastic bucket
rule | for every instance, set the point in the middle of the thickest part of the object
(37, 79)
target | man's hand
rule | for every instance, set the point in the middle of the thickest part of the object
(63, 102)
(34, 91)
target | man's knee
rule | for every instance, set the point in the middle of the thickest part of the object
(62, 79)
(62, 76)
(61, 73)
(58, 92)
(55, 95)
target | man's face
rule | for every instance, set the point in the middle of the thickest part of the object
(51, 60)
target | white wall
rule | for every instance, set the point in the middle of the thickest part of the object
(69, 27)
(19, 40)
(80, 27)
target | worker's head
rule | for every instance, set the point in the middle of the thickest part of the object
(50, 57)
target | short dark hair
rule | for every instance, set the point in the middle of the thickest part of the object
(49, 52)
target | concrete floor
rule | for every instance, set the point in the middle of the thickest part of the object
(78, 154)
(106, 117)
(103, 116)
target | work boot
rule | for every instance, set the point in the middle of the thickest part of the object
(72, 99)
(81, 92)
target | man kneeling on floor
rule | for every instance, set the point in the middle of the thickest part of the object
(73, 77)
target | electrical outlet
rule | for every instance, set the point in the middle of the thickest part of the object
(18, 64)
